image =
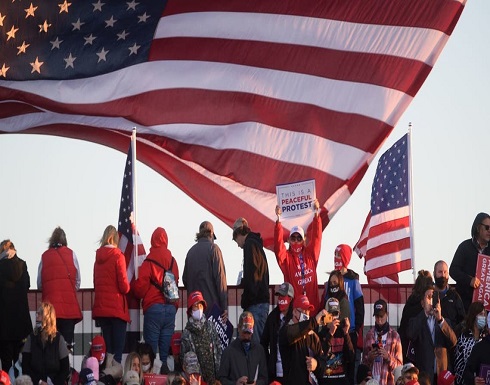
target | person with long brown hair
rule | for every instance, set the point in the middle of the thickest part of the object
(59, 280)
(45, 354)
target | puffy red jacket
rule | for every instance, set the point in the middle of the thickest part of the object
(58, 282)
(110, 284)
(142, 287)
(290, 265)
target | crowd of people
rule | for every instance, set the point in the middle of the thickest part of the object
(307, 338)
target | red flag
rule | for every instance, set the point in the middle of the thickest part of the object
(230, 97)
(385, 238)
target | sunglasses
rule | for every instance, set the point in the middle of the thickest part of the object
(486, 227)
(296, 238)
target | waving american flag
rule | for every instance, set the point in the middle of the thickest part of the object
(385, 241)
(230, 97)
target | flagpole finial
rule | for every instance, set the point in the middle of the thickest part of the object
(409, 125)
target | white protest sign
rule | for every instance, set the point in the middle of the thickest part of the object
(296, 199)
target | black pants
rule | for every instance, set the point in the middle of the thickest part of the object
(66, 327)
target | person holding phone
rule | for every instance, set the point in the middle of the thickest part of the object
(382, 346)
(431, 336)
(337, 345)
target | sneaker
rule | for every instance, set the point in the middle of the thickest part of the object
(164, 369)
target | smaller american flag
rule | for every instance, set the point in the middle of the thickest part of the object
(128, 234)
(385, 240)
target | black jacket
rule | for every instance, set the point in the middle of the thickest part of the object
(296, 342)
(15, 322)
(452, 307)
(270, 339)
(478, 356)
(255, 281)
(411, 309)
(463, 269)
(41, 362)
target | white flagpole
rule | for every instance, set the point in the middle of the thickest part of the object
(133, 178)
(410, 203)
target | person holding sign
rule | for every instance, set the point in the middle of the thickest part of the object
(298, 263)
(463, 266)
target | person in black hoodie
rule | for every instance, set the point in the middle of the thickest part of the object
(277, 318)
(412, 308)
(463, 266)
(255, 278)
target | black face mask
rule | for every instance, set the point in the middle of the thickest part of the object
(382, 329)
(334, 289)
(441, 282)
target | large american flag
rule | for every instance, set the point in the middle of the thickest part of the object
(129, 235)
(230, 97)
(385, 241)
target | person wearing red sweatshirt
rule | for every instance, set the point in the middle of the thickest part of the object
(298, 263)
(158, 312)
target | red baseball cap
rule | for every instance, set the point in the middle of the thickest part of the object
(193, 298)
(302, 302)
(445, 378)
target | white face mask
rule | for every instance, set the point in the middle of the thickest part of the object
(197, 314)
(304, 317)
(145, 368)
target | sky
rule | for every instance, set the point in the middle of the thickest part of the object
(49, 181)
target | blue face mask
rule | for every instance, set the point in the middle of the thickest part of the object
(481, 321)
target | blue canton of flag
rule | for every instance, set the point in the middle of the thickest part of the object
(125, 225)
(390, 186)
(76, 38)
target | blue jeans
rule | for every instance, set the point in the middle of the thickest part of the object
(114, 333)
(158, 327)
(260, 312)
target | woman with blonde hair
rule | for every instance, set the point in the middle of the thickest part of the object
(45, 353)
(133, 362)
(110, 309)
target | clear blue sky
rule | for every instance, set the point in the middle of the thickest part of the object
(51, 181)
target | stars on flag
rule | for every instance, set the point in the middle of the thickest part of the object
(34, 32)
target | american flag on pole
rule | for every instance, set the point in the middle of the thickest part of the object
(128, 234)
(385, 241)
(230, 97)
(130, 242)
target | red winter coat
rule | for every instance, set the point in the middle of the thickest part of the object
(142, 287)
(110, 284)
(290, 265)
(58, 276)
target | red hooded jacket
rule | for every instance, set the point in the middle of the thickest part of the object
(142, 287)
(290, 264)
(110, 284)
